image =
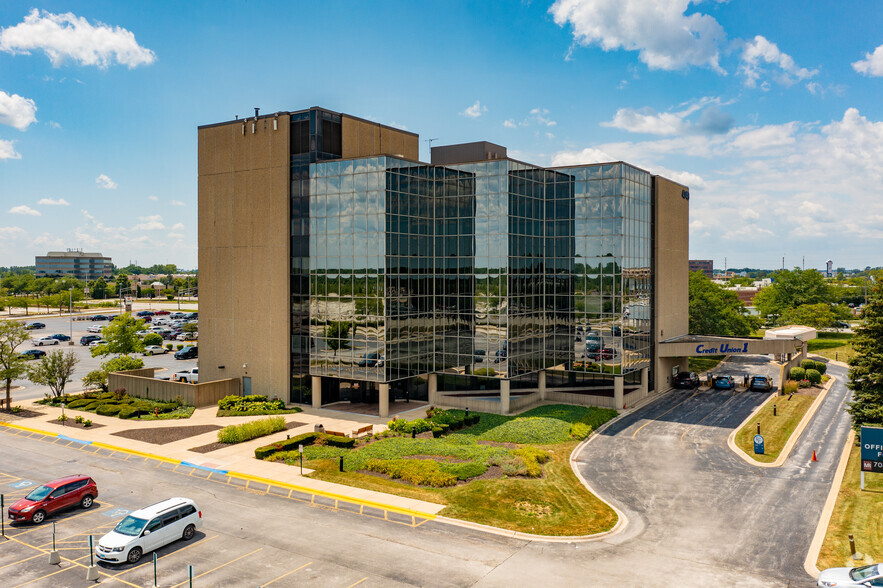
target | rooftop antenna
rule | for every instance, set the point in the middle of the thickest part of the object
(429, 142)
(257, 111)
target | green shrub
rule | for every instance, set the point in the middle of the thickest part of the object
(304, 439)
(169, 346)
(804, 384)
(128, 412)
(421, 472)
(108, 409)
(152, 339)
(80, 403)
(17, 409)
(464, 471)
(821, 367)
(808, 364)
(252, 403)
(62, 418)
(251, 430)
(580, 430)
(437, 432)
(179, 346)
(87, 423)
(78, 419)
(814, 376)
(93, 405)
(416, 426)
(797, 373)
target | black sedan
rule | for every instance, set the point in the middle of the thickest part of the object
(760, 384)
(32, 326)
(60, 337)
(33, 354)
(688, 380)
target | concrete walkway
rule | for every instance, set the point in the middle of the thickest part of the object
(237, 458)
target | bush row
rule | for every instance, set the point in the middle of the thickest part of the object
(800, 373)
(304, 439)
(251, 430)
(253, 402)
(809, 364)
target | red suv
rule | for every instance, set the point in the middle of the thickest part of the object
(53, 496)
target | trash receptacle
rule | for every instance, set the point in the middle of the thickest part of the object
(319, 428)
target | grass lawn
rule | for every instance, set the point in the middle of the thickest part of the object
(551, 502)
(703, 364)
(836, 346)
(856, 512)
(776, 430)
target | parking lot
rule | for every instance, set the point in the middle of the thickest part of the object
(63, 325)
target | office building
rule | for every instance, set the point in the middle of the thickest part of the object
(73, 263)
(335, 266)
(706, 266)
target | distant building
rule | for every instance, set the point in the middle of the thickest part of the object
(706, 266)
(829, 269)
(74, 263)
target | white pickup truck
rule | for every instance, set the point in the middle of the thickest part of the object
(188, 376)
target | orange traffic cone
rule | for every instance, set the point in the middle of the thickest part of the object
(814, 455)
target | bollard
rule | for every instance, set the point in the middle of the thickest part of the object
(155, 583)
(190, 574)
(92, 570)
(413, 433)
(790, 395)
(2, 520)
(54, 557)
(467, 412)
(341, 463)
(853, 553)
(774, 410)
(758, 427)
(300, 449)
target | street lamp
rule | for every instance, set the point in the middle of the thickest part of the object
(70, 313)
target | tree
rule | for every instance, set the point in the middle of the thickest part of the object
(790, 289)
(817, 316)
(121, 336)
(98, 378)
(152, 339)
(715, 310)
(12, 366)
(54, 370)
(866, 366)
(337, 335)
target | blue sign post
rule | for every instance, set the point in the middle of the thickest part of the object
(872, 451)
(758, 444)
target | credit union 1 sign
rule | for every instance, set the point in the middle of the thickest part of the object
(722, 348)
(872, 449)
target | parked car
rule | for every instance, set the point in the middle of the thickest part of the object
(182, 336)
(155, 350)
(87, 339)
(32, 326)
(51, 497)
(143, 333)
(191, 376)
(177, 315)
(32, 354)
(871, 575)
(94, 328)
(161, 312)
(150, 528)
(841, 325)
(686, 380)
(188, 352)
(368, 360)
(97, 342)
(46, 341)
(191, 315)
(723, 382)
(100, 317)
(602, 353)
(171, 335)
(60, 337)
(760, 384)
(144, 313)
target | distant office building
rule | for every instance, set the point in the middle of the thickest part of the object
(74, 263)
(706, 266)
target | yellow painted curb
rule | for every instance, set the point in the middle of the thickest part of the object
(331, 495)
(28, 429)
(792, 440)
(812, 557)
(135, 452)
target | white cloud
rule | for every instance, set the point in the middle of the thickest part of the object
(53, 124)
(509, 123)
(711, 120)
(178, 227)
(7, 151)
(17, 111)
(51, 202)
(474, 111)
(665, 37)
(105, 182)
(759, 52)
(24, 210)
(587, 155)
(872, 64)
(67, 36)
(149, 223)
(152, 198)
(49, 241)
(539, 116)
(88, 216)
(11, 233)
(176, 203)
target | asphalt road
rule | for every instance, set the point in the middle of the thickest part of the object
(698, 515)
(87, 363)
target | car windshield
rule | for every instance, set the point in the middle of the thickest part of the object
(760, 378)
(130, 526)
(864, 572)
(39, 493)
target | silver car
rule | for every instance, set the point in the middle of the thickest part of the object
(871, 575)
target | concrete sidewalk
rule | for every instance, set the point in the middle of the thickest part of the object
(235, 459)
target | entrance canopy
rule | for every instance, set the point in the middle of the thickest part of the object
(699, 345)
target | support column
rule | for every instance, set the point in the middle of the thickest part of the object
(433, 388)
(617, 393)
(645, 381)
(541, 384)
(317, 391)
(384, 400)
(504, 396)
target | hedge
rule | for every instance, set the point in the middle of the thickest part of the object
(108, 409)
(814, 376)
(797, 373)
(251, 430)
(304, 439)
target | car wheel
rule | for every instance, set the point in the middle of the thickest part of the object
(134, 555)
(38, 517)
(87, 501)
(189, 531)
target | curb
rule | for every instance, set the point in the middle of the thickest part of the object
(792, 440)
(815, 547)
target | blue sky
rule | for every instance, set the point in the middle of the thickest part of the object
(773, 117)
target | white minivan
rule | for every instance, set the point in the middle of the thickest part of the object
(150, 528)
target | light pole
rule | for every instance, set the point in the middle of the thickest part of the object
(70, 313)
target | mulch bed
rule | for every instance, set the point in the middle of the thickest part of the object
(214, 446)
(73, 425)
(163, 435)
(22, 414)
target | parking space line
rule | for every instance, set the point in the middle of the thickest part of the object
(176, 552)
(220, 566)
(357, 583)
(85, 512)
(15, 563)
(286, 574)
(44, 577)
